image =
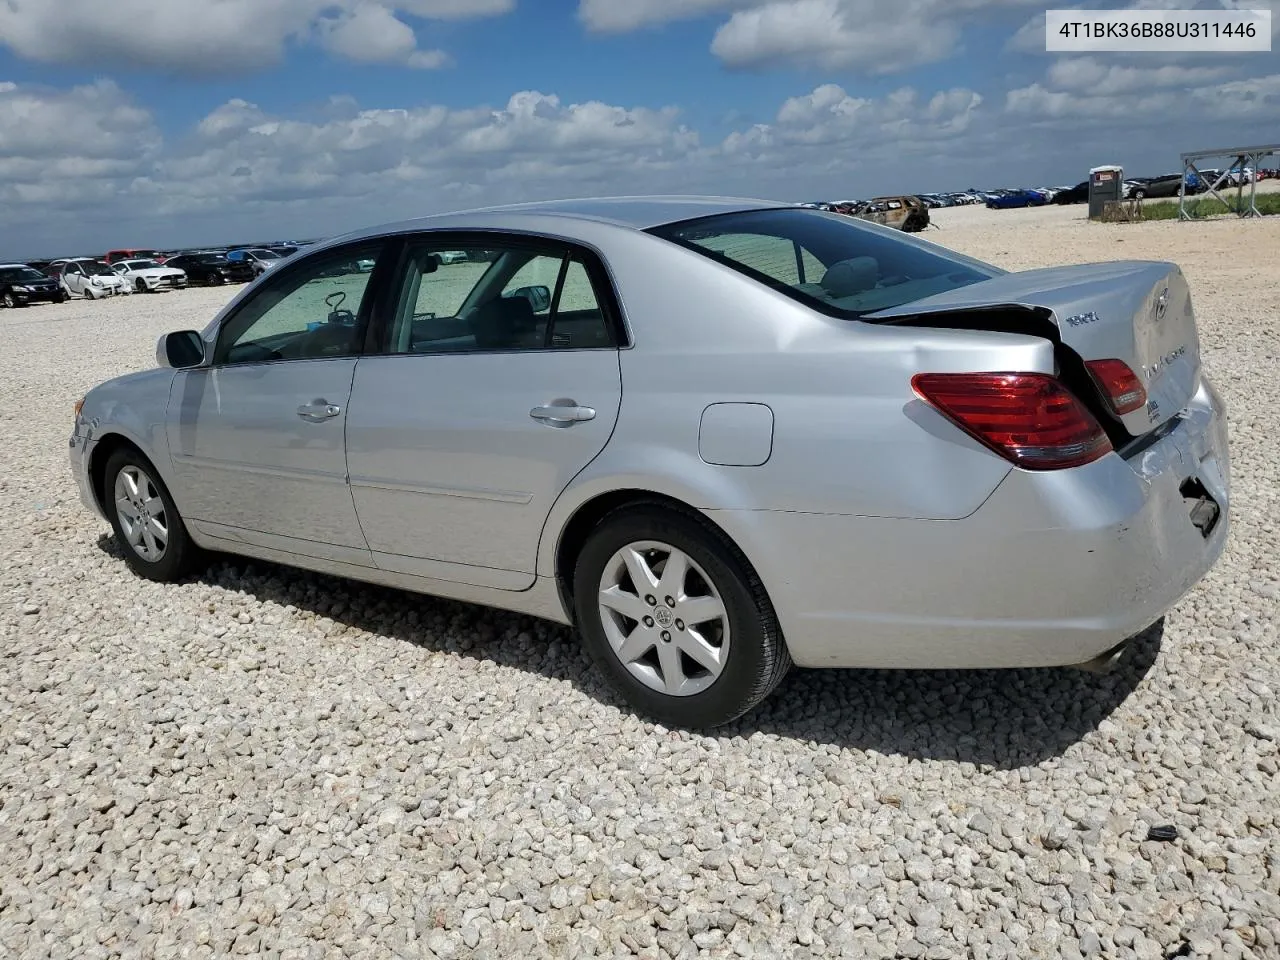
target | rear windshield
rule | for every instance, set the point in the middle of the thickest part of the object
(839, 265)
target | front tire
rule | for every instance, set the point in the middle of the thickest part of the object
(9, 301)
(674, 616)
(89, 294)
(140, 285)
(145, 519)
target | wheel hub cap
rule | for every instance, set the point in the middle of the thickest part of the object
(664, 618)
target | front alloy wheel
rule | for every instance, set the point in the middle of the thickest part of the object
(145, 520)
(141, 512)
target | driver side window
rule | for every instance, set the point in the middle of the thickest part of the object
(310, 312)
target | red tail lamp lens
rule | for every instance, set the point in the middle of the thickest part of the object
(1120, 386)
(1030, 419)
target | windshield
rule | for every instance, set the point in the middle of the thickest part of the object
(265, 255)
(839, 265)
(141, 264)
(96, 269)
(20, 275)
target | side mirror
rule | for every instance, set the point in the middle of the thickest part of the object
(539, 297)
(180, 350)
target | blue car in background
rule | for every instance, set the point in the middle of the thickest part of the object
(1008, 199)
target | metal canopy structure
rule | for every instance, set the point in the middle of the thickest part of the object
(1243, 157)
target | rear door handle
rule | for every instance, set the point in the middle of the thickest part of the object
(318, 410)
(562, 413)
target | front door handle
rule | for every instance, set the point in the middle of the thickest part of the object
(318, 410)
(562, 413)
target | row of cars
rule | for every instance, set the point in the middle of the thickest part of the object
(1134, 188)
(129, 271)
(907, 213)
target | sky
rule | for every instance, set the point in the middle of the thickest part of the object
(160, 123)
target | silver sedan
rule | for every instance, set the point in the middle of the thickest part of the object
(718, 437)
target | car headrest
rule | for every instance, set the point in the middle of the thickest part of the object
(503, 322)
(847, 277)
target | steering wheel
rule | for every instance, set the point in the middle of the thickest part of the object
(335, 300)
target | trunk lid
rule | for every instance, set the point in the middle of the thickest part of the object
(1136, 311)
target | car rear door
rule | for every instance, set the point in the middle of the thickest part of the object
(256, 436)
(497, 381)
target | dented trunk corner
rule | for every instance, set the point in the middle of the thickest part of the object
(1136, 311)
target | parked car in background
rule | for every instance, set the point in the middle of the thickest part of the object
(906, 213)
(91, 279)
(1077, 194)
(211, 269)
(1167, 185)
(149, 276)
(1009, 199)
(115, 256)
(260, 259)
(841, 446)
(21, 285)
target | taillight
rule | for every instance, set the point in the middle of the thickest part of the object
(1030, 419)
(1120, 386)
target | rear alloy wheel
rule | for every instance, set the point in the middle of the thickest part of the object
(673, 614)
(145, 520)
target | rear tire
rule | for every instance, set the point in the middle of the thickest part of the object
(145, 519)
(740, 653)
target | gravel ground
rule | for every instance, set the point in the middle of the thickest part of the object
(267, 762)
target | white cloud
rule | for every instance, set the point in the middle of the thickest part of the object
(620, 16)
(370, 33)
(876, 36)
(82, 167)
(834, 34)
(831, 125)
(1089, 74)
(206, 37)
(1140, 96)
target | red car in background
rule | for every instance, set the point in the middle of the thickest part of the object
(115, 256)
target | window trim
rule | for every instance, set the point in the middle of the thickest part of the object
(369, 302)
(602, 286)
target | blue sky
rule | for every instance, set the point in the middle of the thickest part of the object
(166, 122)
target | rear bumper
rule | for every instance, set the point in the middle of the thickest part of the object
(1054, 569)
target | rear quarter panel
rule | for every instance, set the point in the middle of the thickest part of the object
(850, 437)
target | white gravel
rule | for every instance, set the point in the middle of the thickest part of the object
(266, 762)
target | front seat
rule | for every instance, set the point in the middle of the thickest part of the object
(504, 323)
(849, 277)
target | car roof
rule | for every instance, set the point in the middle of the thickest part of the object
(636, 213)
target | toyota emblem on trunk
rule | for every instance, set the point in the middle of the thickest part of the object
(1161, 305)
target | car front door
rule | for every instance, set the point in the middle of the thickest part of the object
(496, 382)
(256, 435)
(73, 278)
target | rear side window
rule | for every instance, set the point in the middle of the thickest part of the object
(839, 265)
